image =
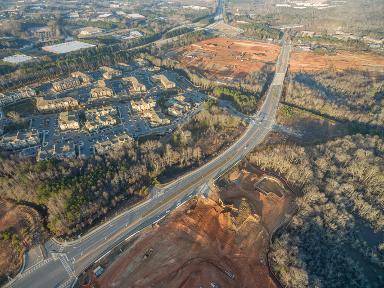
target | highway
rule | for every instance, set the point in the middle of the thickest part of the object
(66, 261)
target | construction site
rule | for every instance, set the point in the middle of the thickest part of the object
(218, 241)
(225, 59)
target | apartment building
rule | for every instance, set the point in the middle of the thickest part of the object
(167, 84)
(103, 146)
(65, 103)
(20, 139)
(68, 121)
(100, 118)
(136, 85)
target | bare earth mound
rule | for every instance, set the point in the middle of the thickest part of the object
(342, 60)
(18, 226)
(225, 59)
(204, 242)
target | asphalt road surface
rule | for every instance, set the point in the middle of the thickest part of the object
(67, 260)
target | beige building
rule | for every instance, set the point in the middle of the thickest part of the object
(167, 84)
(109, 73)
(68, 121)
(136, 85)
(116, 142)
(84, 78)
(65, 84)
(101, 92)
(141, 105)
(19, 140)
(56, 104)
(99, 118)
(154, 119)
(66, 149)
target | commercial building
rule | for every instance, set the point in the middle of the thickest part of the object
(44, 34)
(68, 121)
(19, 140)
(136, 85)
(65, 103)
(87, 31)
(103, 146)
(99, 118)
(67, 47)
(167, 84)
(17, 59)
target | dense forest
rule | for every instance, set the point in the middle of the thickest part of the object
(336, 239)
(348, 95)
(77, 192)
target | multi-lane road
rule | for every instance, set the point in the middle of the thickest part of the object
(66, 261)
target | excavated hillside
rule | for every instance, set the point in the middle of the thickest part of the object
(209, 242)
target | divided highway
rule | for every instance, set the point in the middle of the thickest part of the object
(67, 260)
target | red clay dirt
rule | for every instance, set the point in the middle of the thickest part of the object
(17, 224)
(306, 61)
(226, 59)
(205, 241)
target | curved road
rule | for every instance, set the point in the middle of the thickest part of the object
(67, 260)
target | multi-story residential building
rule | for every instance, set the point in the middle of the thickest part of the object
(167, 84)
(103, 146)
(84, 78)
(20, 139)
(17, 95)
(99, 118)
(109, 73)
(65, 103)
(68, 121)
(65, 84)
(101, 92)
(142, 105)
(136, 85)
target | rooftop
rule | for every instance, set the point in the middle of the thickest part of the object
(67, 47)
(17, 58)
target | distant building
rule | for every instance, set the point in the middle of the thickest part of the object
(135, 16)
(44, 34)
(65, 103)
(87, 31)
(17, 58)
(68, 121)
(67, 47)
(19, 140)
(136, 85)
(167, 84)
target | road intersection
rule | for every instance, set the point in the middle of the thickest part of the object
(67, 260)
